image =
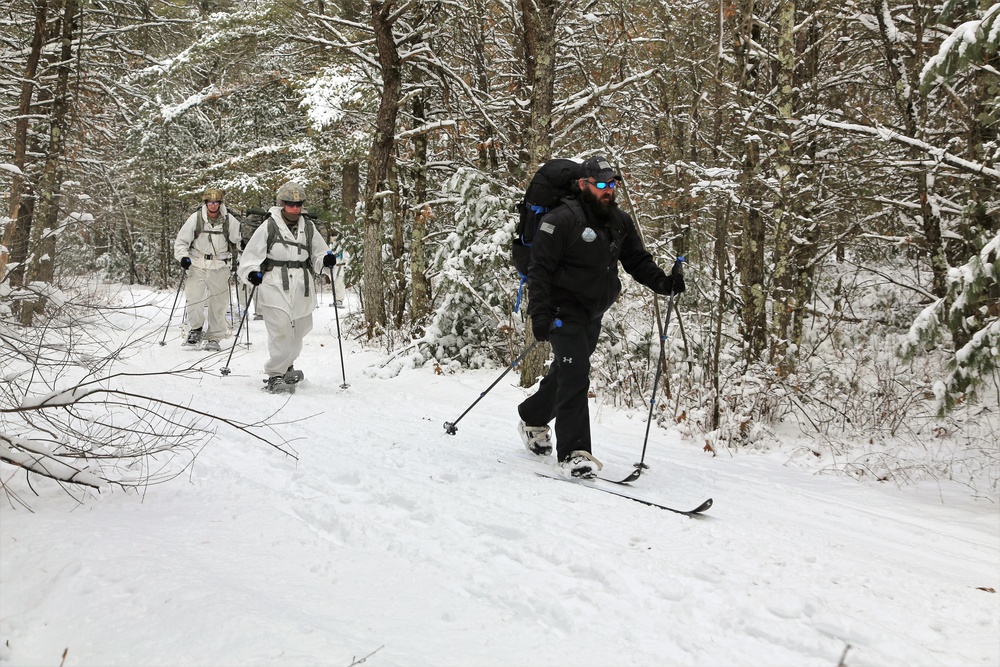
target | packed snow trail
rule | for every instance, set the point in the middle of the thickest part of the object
(389, 536)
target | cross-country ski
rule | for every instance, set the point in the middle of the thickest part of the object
(600, 485)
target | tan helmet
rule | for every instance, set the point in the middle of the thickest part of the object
(214, 194)
(290, 191)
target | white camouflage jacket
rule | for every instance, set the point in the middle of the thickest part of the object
(300, 298)
(210, 250)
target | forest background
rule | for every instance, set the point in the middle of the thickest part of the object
(827, 169)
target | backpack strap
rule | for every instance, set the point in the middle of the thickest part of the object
(273, 236)
(199, 229)
(539, 211)
(573, 204)
(578, 217)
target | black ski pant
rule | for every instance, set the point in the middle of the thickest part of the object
(562, 393)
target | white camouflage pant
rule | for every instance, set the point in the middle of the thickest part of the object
(208, 289)
(284, 338)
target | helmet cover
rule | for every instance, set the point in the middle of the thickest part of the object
(214, 194)
(291, 191)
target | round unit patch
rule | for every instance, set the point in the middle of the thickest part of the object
(589, 235)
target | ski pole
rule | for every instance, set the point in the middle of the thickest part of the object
(336, 313)
(232, 313)
(225, 370)
(167, 328)
(246, 309)
(451, 427)
(640, 466)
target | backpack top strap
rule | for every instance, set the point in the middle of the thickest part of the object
(579, 216)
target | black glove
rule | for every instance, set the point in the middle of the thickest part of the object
(185, 263)
(541, 327)
(329, 259)
(673, 284)
(255, 277)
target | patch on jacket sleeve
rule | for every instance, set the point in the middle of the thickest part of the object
(547, 227)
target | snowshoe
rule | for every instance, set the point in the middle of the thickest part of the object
(293, 376)
(276, 385)
(580, 464)
(193, 339)
(537, 439)
(212, 346)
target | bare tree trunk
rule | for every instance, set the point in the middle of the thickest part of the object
(722, 277)
(165, 237)
(805, 250)
(19, 232)
(350, 192)
(782, 303)
(905, 88)
(721, 237)
(750, 260)
(398, 212)
(538, 19)
(373, 286)
(420, 295)
(43, 268)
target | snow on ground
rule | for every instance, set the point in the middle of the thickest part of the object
(391, 542)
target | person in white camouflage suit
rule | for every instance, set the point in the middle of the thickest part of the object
(204, 246)
(281, 260)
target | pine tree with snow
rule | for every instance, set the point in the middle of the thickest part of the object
(476, 283)
(971, 307)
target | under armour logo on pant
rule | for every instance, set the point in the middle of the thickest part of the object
(567, 360)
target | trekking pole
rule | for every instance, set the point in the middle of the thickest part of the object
(640, 466)
(225, 370)
(336, 313)
(450, 427)
(333, 289)
(246, 309)
(232, 313)
(167, 328)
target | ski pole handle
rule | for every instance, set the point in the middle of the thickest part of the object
(677, 266)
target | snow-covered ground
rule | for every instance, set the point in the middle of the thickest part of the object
(390, 542)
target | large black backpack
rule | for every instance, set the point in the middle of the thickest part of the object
(547, 188)
(250, 223)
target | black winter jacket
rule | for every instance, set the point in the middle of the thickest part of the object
(573, 271)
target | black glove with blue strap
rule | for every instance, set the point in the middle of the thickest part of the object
(668, 285)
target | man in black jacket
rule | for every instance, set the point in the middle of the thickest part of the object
(573, 278)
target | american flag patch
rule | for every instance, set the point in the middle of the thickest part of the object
(547, 227)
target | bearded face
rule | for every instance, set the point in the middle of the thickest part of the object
(600, 201)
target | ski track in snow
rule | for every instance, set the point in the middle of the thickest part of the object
(389, 536)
